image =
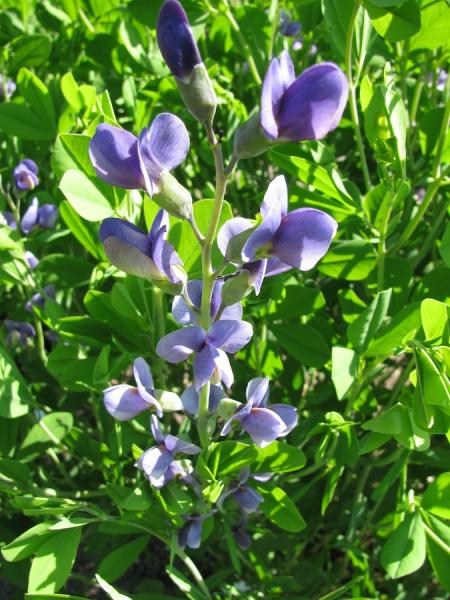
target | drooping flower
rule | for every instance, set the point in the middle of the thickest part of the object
(38, 299)
(180, 52)
(245, 495)
(31, 259)
(18, 332)
(123, 160)
(26, 174)
(190, 399)
(7, 87)
(281, 240)
(9, 219)
(184, 315)
(149, 256)
(294, 109)
(209, 347)
(174, 471)
(240, 534)
(288, 27)
(190, 534)
(124, 402)
(44, 216)
(156, 460)
(263, 423)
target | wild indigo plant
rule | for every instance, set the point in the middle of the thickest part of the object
(209, 310)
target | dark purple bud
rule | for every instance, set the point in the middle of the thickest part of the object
(247, 498)
(9, 219)
(190, 534)
(30, 218)
(288, 27)
(47, 215)
(18, 332)
(242, 538)
(25, 174)
(176, 41)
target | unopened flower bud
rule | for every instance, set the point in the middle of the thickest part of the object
(173, 197)
(235, 288)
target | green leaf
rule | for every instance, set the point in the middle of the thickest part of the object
(65, 270)
(444, 248)
(81, 230)
(38, 98)
(280, 509)
(29, 51)
(361, 331)
(435, 321)
(231, 456)
(57, 424)
(53, 561)
(117, 562)
(397, 333)
(388, 422)
(433, 382)
(298, 301)
(350, 260)
(304, 343)
(433, 34)
(27, 543)
(15, 397)
(109, 589)
(89, 197)
(14, 475)
(71, 92)
(395, 23)
(345, 364)
(437, 555)
(19, 120)
(337, 14)
(436, 498)
(330, 488)
(405, 550)
(278, 457)
(71, 151)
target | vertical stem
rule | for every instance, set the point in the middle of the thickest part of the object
(194, 572)
(352, 94)
(243, 42)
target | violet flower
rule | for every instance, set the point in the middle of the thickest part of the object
(31, 259)
(263, 423)
(288, 27)
(190, 399)
(39, 299)
(190, 534)
(18, 332)
(241, 537)
(173, 471)
(148, 256)
(441, 80)
(25, 174)
(9, 220)
(123, 160)
(44, 216)
(7, 87)
(209, 347)
(246, 496)
(184, 315)
(156, 460)
(281, 240)
(124, 402)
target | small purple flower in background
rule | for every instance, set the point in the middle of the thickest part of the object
(124, 402)
(123, 160)
(441, 79)
(420, 195)
(18, 332)
(282, 240)
(209, 347)
(31, 259)
(9, 220)
(241, 537)
(44, 216)
(313, 50)
(246, 496)
(263, 423)
(25, 175)
(304, 108)
(190, 534)
(39, 299)
(184, 315)
(297, 45)
(190, 399)
(7, 87)
(156, 460)
(174, 471)
(288, 27)
(149, 256)
(176, 41)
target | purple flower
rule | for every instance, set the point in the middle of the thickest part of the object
(184, 315)
(9, 219)
(312, 52)
(209, 347)
(246, 496)
(149, 256)
(39, 299)
(281, 241)
(25, 174)
(241, 537)
(420, 195)
(7, 87)
(174, 471)
(156, 460)
(45, 216)
(176, 41)
(442, 80)
(190, 399)
(303, 108)
(263, 424)
(124, 402)
(190, 534)
(288, 27)
(18, 332)
(297, 45)
(123, 160)
(31, 259)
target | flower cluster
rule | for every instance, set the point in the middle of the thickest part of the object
(209, 310)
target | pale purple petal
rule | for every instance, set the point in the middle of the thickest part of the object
(155, 461)
(272, 91)
(29, 219)
(263, 426)
(129, 259)
(181, 312)
(230, 336)
(233, 312)
(303, 238)
(258, 391)
(114, 154)
(275, 267)
(127, 232)
(248, 498)
(156, 430)
(194, 535)
(160, 221)
(190, 399)
(287, 69)
(288, 415)
(178, 345)
(263, 234)
(175, 444)
(204, 365)
(234, 228)
(257, 271)
(31, 259)
(239, 416)
(313, 105)
(143, 375)
(123, 402)
(164, 256)
(224, 368)
(277, 193)
(47, 215)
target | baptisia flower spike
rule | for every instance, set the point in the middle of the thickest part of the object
(211, 361)
(180, 51)
(128, 162)
(156, 460)
(263, 423)
(294, 109)
(148, 256)
(282, 240)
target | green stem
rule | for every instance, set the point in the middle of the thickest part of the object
(436, 539)
(418, 217)
(431, 237)
(194, 572)
(243, 42)
(352, 94)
